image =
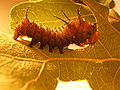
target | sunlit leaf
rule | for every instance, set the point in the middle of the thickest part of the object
(25, 68)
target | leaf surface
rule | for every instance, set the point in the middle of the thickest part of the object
(34, 69)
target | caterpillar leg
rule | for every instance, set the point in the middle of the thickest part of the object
(33, 42)
(29, 45)
(42, 45)
(50, 48)
(61, 50)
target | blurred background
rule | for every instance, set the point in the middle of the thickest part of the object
(5, 6)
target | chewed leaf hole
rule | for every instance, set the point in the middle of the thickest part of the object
(76, 47)
(73, 85)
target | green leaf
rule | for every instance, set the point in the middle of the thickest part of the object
(17, 49)
(43, 13)
(22, 72)
(25, 68)
(107, 3)
(114, 19)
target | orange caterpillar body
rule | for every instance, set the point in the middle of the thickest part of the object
(78, 31)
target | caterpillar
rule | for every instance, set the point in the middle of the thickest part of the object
(77, 31)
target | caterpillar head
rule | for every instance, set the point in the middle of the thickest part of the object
(86, 33)
(93, 36)
(83, 32)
